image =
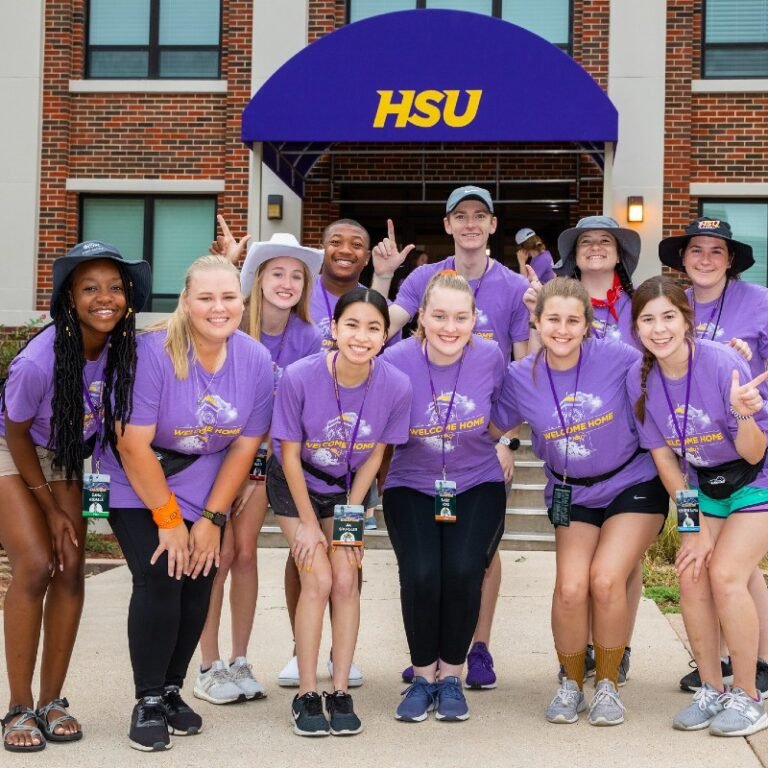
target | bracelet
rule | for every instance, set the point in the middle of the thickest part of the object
(741, 417)
(38, 487)
(169, 514)
(385, 277)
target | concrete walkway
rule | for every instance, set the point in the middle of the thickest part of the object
(507, 727)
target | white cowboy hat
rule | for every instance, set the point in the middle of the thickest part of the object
(280, 244)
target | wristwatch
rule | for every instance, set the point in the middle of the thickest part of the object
(511, 442)
(215, 517)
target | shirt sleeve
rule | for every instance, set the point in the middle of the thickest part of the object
(497, 373)
(505, 412)
(25, 389)
(411, 291)
(261, 413)
(519, 330)
(152, 363)
(289, 404)
(398, 425)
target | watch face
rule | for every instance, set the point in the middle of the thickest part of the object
(514, 443)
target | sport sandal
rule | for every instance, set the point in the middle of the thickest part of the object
(22, 725)
(49, 728)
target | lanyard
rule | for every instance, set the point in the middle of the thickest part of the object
(450, 404)
(276, 360)
(681, 434)
(97, 418)
(717, 308)
(327, 305)
(480, 281)
(357, 421)
(566, 429)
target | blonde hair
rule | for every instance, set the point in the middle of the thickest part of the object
(179, 343)
(256, 300)
(446, 278)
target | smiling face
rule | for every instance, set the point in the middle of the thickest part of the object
(346, 252)
(596, 251)
(282, 282)
(98, 297)
(447, 320)
(359, 332)
(213, 304)
(562, 326)
(663, 331)
(470, 224)
(706, 260)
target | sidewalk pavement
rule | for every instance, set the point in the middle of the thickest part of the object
(507, 726)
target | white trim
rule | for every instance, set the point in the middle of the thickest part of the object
(148, 86)
(758, 85)
(729, 189)
(147, 186)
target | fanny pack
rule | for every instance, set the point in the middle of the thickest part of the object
(341, 482)
(590, 481)
(722, 481)
(171, 462)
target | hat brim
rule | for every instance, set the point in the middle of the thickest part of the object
(139, 273)
(628, 240)
(470, 196)
(259, 253)
(671, 252)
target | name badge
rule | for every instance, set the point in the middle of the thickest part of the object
(561, 505)
(688, 510)
(96, 496)
(445, 501)
(348, 525)
(259, 468)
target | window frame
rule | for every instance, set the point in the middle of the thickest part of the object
(723, 47)
(153, 49)
(496, 10)
(149, 229)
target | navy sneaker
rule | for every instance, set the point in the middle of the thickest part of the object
(418, 701)
(182, 719)
(451, 704)
(149, 726)
(308, 717)
(341, 714)
(480, 674)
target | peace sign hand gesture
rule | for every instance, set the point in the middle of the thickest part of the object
(746, 399)
(386, 257)
(225, 245)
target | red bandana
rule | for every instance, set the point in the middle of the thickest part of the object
(611, 298)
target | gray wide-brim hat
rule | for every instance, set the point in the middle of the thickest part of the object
(280, 244)
(671, 248)
(627, 239)
(139, 272)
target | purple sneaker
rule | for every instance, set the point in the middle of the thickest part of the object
(480, 672)
(407, 675)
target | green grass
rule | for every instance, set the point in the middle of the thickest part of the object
(99, 545)
(667, 597)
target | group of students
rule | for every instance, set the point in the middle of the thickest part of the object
(199, 423)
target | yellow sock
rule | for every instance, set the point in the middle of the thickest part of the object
(607, 662)
(573, 664)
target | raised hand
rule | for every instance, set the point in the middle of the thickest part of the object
(386, 257)
(225, 244)
(534, 288)
(746, 399)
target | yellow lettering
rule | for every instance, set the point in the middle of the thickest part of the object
(470, 112)
(386, 107)
(426, 103)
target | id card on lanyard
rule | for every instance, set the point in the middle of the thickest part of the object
(348, 518)
(561, 492)
(445, 489)
(95, 496)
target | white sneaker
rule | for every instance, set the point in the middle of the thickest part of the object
(289, 674)
(242, 675)
(217, 686)
(355, 675)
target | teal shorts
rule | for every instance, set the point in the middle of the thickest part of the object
(746, 499)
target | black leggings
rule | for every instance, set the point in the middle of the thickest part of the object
(442, 566)
(166, 615)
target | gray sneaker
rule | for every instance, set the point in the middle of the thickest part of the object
(568, 702)
(741, 715)
(241, 673)
(706, 705)
(606, 707)
(217, 686)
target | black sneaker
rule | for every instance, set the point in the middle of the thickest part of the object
(624, 667)
(182, 719)
(761, 679)
(343, 720)
(149, 726)
(308, 717)
(692, 681)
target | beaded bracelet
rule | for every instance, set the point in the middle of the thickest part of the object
(741, 417)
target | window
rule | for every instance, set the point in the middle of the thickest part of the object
(551, 19)
(153, 39)
(735, 38)
(749, 224)
(169, 232)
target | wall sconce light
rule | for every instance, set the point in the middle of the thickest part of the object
(275, 207)
(635, 210)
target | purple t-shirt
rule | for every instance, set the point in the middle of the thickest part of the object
(598, 419)
(742, 314)
(501, 314)
(470, 453)
(542, 266)
(299, 339)
(605, 325)
(201, 415)
(29, 388)
(306, 412)
(711, 427)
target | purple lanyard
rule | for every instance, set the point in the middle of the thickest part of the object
(717, 308)
(327, 306)
(450, 404)
(341, 416)
(681, 435)
(559, 410)
(480, 281)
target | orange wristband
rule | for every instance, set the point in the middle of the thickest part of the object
(169, 514)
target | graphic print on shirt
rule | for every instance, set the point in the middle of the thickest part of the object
(709, 330)
(324, 324)
(699, 433)
(602, 330)
(332, 450)
(462, 420)
(212, 414)
(581, 412)
(94, 393)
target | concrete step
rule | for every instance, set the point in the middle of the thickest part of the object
(524, 520)
(529, 471)
(526, 494)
